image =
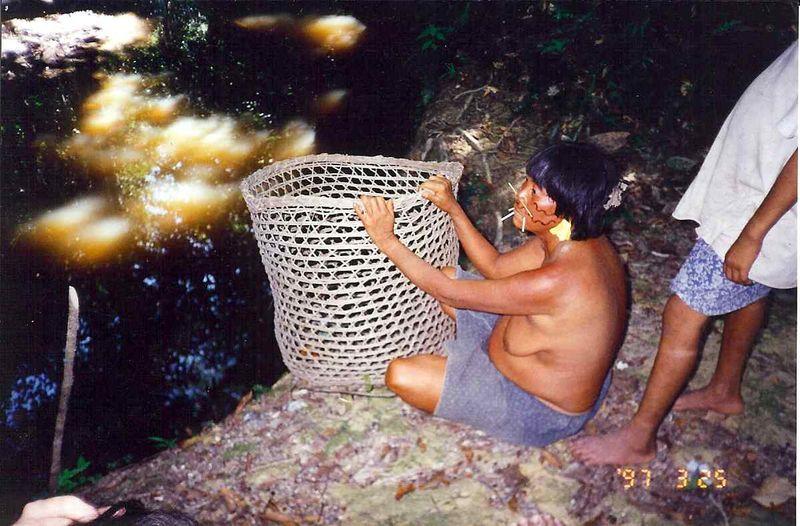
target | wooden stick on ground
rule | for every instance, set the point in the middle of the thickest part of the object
(66, 386)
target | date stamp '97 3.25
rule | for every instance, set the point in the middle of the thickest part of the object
(692, 476)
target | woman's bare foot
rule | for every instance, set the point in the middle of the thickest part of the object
(627, 445)
(708, 400)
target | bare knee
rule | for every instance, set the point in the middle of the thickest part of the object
(681, 328)
(398, 375)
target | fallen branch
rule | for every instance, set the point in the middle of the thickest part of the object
(470, 91)
(470, 139)
(464, 108)
(66, 386)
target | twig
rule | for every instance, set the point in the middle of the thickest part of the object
(470, 139)
(66, 386)
(426, 148)
(473, 91)
(720, 509)
(353, 393)
(464, 107)
(498, 234)
(505, 133)
(488, 171)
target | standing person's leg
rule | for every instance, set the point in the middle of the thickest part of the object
(681, 332)
(723, 392)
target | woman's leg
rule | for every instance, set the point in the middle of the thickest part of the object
(418, 380)
(723, 393)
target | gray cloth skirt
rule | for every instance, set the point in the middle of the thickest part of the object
(477, 394)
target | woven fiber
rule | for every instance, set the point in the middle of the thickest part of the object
(342, 310)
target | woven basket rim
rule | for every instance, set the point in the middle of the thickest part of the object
(451, 170)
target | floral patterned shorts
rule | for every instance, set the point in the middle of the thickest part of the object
(702, 285)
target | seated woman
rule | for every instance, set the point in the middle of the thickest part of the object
(537, 336)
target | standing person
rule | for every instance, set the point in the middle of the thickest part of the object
(744, 200)
(536, 337)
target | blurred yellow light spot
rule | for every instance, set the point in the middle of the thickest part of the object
(334, 33)
(331, 101)
(62, 221)
(98, 240)
(168, 204)
(264, 22)
(169, 169)
(296, 139)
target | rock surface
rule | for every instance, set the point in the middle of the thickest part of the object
(55, 43)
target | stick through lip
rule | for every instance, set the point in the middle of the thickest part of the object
(522, 203)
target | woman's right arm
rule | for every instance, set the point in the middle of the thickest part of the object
(486, 258)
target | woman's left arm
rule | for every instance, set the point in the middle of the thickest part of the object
(525, 293)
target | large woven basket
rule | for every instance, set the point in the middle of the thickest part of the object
(342, 309)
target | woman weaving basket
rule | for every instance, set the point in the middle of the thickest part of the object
(536, 335)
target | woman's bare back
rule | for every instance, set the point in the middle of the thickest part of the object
(563, 356)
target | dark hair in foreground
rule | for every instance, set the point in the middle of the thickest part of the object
(132, 513)
(579, 177)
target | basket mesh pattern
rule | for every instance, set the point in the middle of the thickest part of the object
(342, 310)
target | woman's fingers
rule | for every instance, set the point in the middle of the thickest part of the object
(736, 275)
(373, 206)
(369, 203)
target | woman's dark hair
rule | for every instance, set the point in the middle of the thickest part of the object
(579, 177)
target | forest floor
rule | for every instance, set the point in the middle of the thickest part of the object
(306, 457)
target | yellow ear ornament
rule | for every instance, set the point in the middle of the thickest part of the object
(563, 230)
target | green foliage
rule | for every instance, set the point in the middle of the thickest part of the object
(124, 461)
(72, 478)
(259, 390)
(368, 383)
(432, 36)
(555, 46)
(728, 25)
(163, 443)
(238, 450)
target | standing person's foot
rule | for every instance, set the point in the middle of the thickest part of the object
(627, 445)
(707, 400)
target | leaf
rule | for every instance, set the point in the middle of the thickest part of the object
(610, 142)
(550, 459)
(243, 403)
(555, 46)
(774, 491)
(163, 443)
(229, 499)
(403, 490)
(368, 383)
(682, 164)
(726, 26)
(259, 390)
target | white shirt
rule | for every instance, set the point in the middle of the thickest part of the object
(755, 142)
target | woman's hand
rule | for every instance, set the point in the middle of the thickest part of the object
(739, 259)
(377, 215)
(57, 511)
(439, 191)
